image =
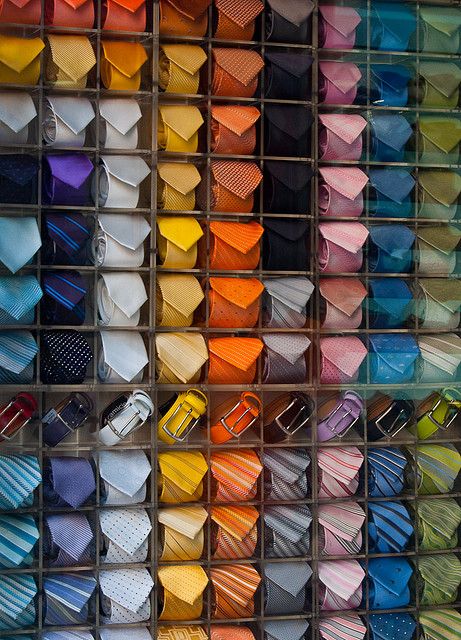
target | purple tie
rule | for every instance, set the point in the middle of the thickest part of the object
(67, 179)
(68, 481)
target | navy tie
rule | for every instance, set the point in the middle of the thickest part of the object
(64, 302)
(65, 239)
(386, 467)
(65, 356)
(387, 626)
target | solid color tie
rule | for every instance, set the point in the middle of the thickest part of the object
(65, 238)
(287, 130)
(18, 178)
(287, 187)
(18, 537)
(17, 352)
(337, 29)
(22, 13)
(120, 179)
(341, 584)
(388, 582)
(183, 533)
(389, 85)
(127, 488)
(234, 588)
(180, 18)
(67, 539)
(122, 357)
(66, 597)
(438, 523)
(121, 64)
(118, 128)
(439, 140)
(391, 625)
(68, 481)
(437, 304)
(338, 82)
(64, 358)
(235, 72)
(236, 474)
(176, 188)
(289, 21)
(340, 528)
(438, 194)
(124, 15)
(234, 245)
(440, 29)
(17, 607)
(179, 67)
(287, 75)
(391, 193)
(120, 297)
(339, 468)
(389, 134)
(65, 120)
(233, 360)
(389, 303)
(287, 531)
(17, 111)
(342, 299)
(183, 588)
(285, 587)
(438, 467)
(180, 357)
(77, 13)
(437, 249)
(181, 476)
(69, 61)
(125, 595)
(439, 577)
(439, 84)
(177, 297)
(234, 302)
(20, 59)
(178, 128)
(67, 179)
(118, 240)
(285, 473)
(20, 475)
(232, 187)
(19, 241)
(340, 246)
(177, 242)
(237, 533)
(285, 301)
(64, 302)
(19, 295)
(125, 533)
(441, 624)
(392, 26)
(236, 19)
(348, 626)
(341, 136)
(233, 129)
(285, 244)
(390, 249)
(389, 527)
(340, 191)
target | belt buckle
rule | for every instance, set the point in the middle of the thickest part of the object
(392, 431)
(12, 420)
(289, 429)
(346, 413)
(125, 429)
(53, 414)
(446, 424)
(230, 429)
(175, 434)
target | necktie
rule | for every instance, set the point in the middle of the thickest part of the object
(286, 629)
(389, 85)
(183, 588)
(340, 528)
(340, 249)
(389, 527)
(230, 632)
(338, 82)
(340, 191)
(180, 357)
(348, 626)
(67, 540)
(18, 179)
(180, 632)
(388, 580)
(284, 359)
(287, 131)
(20, 475)
(65, 238)
(439, 84)
(391, 625)
(236, 19)
(60, 13)
(67, 179)
(65, 121)
(136, 633)
(68, 481)
(127, 488)
(285, 244)
(437, 468)
(120, 297)
(442, 624)
(341, 584)
(235, 72)
(176, 189)
(389, 303)
(288, 21)
(67, 597)
(287, 75)
(440, 29)
(177, 242)
(119, 119)
(234, 302)
(17, 607)
(233, 360)
(177, 128)
(237, 533)
(438, 523)
(233, 129)
(386, 468)
(183, 533)
(437, 249)
(286, 473)
(391, 195)
(438, 193)
(236, 474)
(118, 240)
(437, 304)
(439, 140)
(339, 468)
(125, 533)
(127, 15)
(20, 59)
(17, 351)
(122, 357)
(70, 59)
(341, 357)
(389, 134)
(390, 249)
(179, 17)
(18, 537)
(392, 358)
(342, 310)
(285, 301)
(177, 297)
(28, 13)
(392, 26)
(17, 111)
(19, 295)
(74, 635)
(234, 588)
(440, 577)
(181, 476)
(19, 241)
(337, 27)
(179, 67)
(341, 136)
(119, 181)
(440, 357)
(287, 531)
(65, 356)
(285, 586)
(125, 595)
(234, 245)
(64, 301)
(287, 185)
(233, 183)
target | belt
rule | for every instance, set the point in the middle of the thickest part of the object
(337, 415)
(233, 360)
(287, 186)
(286, 415)
(124, 416)
(341, 191)
(234, 246)
(235, 72)
(16, 414)
(387, 416)
(437, 411)
(180, 415)
(62, 420)
(340, 246)
(234, 417)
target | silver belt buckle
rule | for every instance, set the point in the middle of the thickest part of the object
(391, 432)
(190, 428)
(441, 425)
(231, 429)
(10, 422)
(72, 427)
(291, 429)
(346, 413)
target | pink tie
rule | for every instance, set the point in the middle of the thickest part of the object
(341, 357)
(337, 27)
(341, 532)
(343, 299)
(341, 136)
(340, 246)
(348, 626)
(339, 467)
(338, 82)
(341, 587)
(340, 192)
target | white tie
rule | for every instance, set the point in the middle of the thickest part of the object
(125, 595)
(119, 180)
(124, 474)
(122, 358)
(119, 240)
(120, 298)
(126, 534)
(136, 633)
(118, 126)
(138, 408)
(17, 110)
(65, 121)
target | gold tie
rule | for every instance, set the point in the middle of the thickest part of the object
(69, 61)
(178, 128)
(183, 588)
(176, 186)
(183, 535)
(439, 139)
(20, 59)
(179, 66)
(178, 296)
(438, 194)
(179, 632)
(177, 242)
(180, 357)
(181, 475)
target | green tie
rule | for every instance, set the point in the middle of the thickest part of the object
(438, 523)
(438, 467)
(444, 624)
(441, 576)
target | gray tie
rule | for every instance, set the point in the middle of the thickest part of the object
(284, 358)
(285, 301)
(285, 629)
(287, 531)
(285, 587)
(287, 473)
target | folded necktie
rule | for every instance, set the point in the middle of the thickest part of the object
(177, 128)
(287, 75)
(287, 130)
(67, 179)
(65, 121)
(440, 29)
(392, 26)
(389, 527)
(280, 629)
(123, 15)
(386, 472)
(390, 195)
(236, 19)
(67, 540)
(440, 357)
(390, 249)
(338, 471)
(119, 183)
(389, 303)
(234, 245)
(19, 296)
(340, 246)
(20, 476)
(236, 474)
(437, 303)
(18, 537)
(17, 352)
(64, 302)
(286, 531)
(342, 300)
(340, 191)
(182, 529)
(438, 194)
(189, 632)
(442, 624)
(236, 536)
(120, 297)
(127, 488)
(338, 82)
(340, 584)
(285, 473)
(121, 64)
(125, 535)
(181, 476)
(28, 12)
(287, 187)
(67, 598)
(182, 595)
(65, 238)
(177, 298)
(289, 21)
(20, 59)
(389, 85)
(340, 528)
(233, 360)
(68, 482)
(347, 625)
(437, 249)
(437, 467)
(341, 357)
(233, 129)
(440, 578)
(18, 609)
(388, 582)
(122, 357)
(439, 84)
(18, 179)
(337, 28)
(177, 240)
(121, 601)
(179, 67)
(285, 301)
(118, 125)
(285, 587)
(17, 110)
(179, 357)
(392, 358)
(65, 356)
(235, 72)
(234, 590)
(438, 523)
(180, 18)
(234, 302)
(118, 240)
(285, 358)
(439, 139)
(77, 14)
(285, 244)
(389, 134)
(176, 184)
(232, 186)
(340, 136)
(69, 60)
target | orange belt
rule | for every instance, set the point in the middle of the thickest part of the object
(235, 72)
(231, 419)
(234, 246)
(184, 17)
(236, 19)
(233, 360)
(234, 302)
(233, 129)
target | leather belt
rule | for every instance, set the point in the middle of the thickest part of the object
(65, 418)
(180, 415)
(337, 415)
(16, 414)
(387, 416)
(234, 417)
(124, 416)
(437, 411)
(286, 415)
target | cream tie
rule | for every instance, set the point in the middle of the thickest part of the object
(180, 357)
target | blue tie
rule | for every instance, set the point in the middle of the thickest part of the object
(67, 481)
(18, 535)
(392, 26)
(19, 241)
(386, 467)
(392, 358)
(389, 303)
(389, 527)
(17, 351)
(389, 135)
(393, 188)
(17, 608)
(19, 296)
(64, 302)
(66, 598)
(388, 580)
(19, 476)
(389, 85)
(392, 626)
(390, 248)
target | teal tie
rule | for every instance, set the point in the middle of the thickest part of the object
(18, 535)
(17, 351)
(18, 297)
(19, 476)
(19, 241)
(17, 608)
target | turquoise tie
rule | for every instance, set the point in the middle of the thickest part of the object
(18, 297)
(19, 476)
(17, 608)
(17, 351)
(19, 241)
(18, 535)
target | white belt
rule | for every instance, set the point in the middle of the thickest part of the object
(138, 408)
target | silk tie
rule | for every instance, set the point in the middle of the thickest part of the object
(288, 21)
(442, 624)
(65, 239)
(19, 295)
(122, 357)
(69, 61)
(120, 297)
(343, 299)
(60, 13)
(236, 474)
(68, 481)
(348, 626)
(388, 582)
(127, 15)
(284, 359)
(286, 629)
(285, 301)
(439, 140)
(20, 476)
(391, 625)
(437, 250)
(287, 531)
(235, 72)
(17, 351)
(341, 358)
(439, 84)
(176, 191)
(440, 577)
(64, 302)
(20, 59)
(237, 533)
(234, 588)
(234, 303)
(19, 241)
(67, 179)
(121, 64)
(285, 587)
(119, 184)
(65, 121)
(18, 537)
(18, 179)
(286, 473)
(338, 82)
(177, 297)
(389, 527)
(233, 360)
(386, 468)
(178, 17)
(236, 19)
(119, 118)
(440, 357)
(64, 358)
(233, 183)
(337, 27)
(118, 240)
(341, 584)
(437, 468)
(179, 632)
(438, 194)
(390, 249)
(340, 191)
(340, 528)
(17, 594)
(180, 357)
(389, 303)
(391, 193)
(341, 136)
(183, 588)
(128, 488)
(67, 540)
(125, 595)
(440, 29)
(181, 476)
(233, 129)
(438, 523)
(28, 13)
(17, 112)
(390, 133)
(67, 598)
(392, 27)
(234, 245)
(230, 632)
(339, 468)
(177, 242)
(389, 84)
(179, 67)
(183, 533)
(287, 132)
(178, 128)
(125, 534)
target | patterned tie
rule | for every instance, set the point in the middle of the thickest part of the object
(18, 297)
(125, 595)
(17, 351)
(340, 528)
(285, 587)
(182, 533)
(339, 467)
(234, 588)
(341, 584)
(128, 488)
(65, 356)
(385, 471)
(70, 60)
(438, 523)
(17, 608)
(440, 577)
(18, 536)
(347, 626)
(68, 481)
(183, 588)
(391, 625)
(181, 475)
(179, 632)
(286, 473)
(389, 527)
(438, 467)
(229, 632)
(285, 300)
(237, 533)
(285, 629)
(66, 597)
(19, 476)
(443, 624)
(64, 302)
(236, 474)
(125, 533)
(287, 531)
(65, 238)
(66, 540)
(388, 582)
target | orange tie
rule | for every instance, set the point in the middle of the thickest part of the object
(234, 246)
(233, 360)
(236, 18)
(235, 72)
(121, 64)
(233, 129)
(234, 302)
(183, 17)
(123, 15)
(232, 186)
(236, 473)
(237, 533)
(231, 418)
(234, 588)
(226, 632)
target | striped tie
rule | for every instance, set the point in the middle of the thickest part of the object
(340, 584)
(17, 608)
(389, 527)
(234, 588)
(237, 534)
(340, 528)
(181, 476)
(286, 473)
(287, 531)
(438, 467)
(17, 351)
(18, 535)
(236, 473)
(441, 576)
(18, 297)
(66, 598)
(346, 627)
(339, 467)
(444, 624)
(66, 540)
(19, 476)
(385, 472)
(438, 523)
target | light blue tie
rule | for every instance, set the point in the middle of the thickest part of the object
(17, 608)
(18, 535)
(19, 241)
(390, 133)
(393, 188)
(19, 476)
(18, 297)
(17, 351)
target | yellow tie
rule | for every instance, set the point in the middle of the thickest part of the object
(121, 64)
(182, 416)
(183, 588)
(181, 475)
(20, 59)
(178, 296)
(69, 61)
(180, 632)
(183, 535)
(176, 186)
(180, 357)
(178, 128)
(179, 67)
(177, 242)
